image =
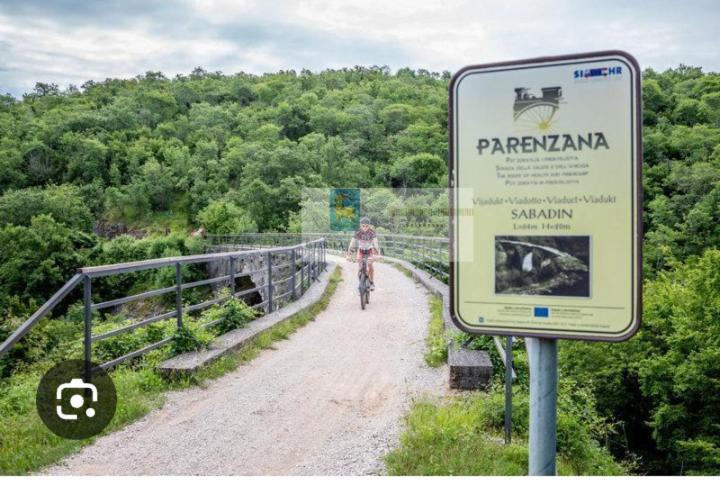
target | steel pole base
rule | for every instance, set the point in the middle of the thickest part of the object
(542, 354)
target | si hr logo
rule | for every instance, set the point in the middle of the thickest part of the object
(599, 72)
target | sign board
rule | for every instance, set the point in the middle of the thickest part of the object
(545, 179)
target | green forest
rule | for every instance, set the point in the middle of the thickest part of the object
(124, 169)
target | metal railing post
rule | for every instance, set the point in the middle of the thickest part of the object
(87, 327)
(311, 255)
(302, 271)
(232, 276)
(308, 271)
(293, 270)
(268, 257)
(315, 262)
(311, 266)
(178, 294)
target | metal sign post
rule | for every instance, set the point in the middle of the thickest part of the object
(542, 355)
(508, 388)
(545, 178)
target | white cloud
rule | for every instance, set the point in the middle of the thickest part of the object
(124, 38)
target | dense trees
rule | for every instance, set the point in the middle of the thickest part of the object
(682, 165)
(154, 144)
(660, 388)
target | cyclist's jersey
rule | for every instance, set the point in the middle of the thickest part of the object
(365, 240)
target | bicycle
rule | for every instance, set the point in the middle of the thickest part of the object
(364, 282)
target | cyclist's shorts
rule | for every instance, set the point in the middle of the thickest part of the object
(366, 252)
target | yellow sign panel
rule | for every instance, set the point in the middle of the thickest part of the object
(545, 176)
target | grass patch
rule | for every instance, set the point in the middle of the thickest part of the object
(26, 445)
(463, 436)
(436, 342)
(401, 268)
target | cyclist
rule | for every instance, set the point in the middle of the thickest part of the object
(367, 245)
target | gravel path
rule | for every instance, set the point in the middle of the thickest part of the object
(328, 401)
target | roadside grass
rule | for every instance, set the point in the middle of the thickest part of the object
(26, 445)
(437, 345)
(402, 269)
(464, 436)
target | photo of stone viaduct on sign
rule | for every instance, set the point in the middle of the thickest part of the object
(542, 266)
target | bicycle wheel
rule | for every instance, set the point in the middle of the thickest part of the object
(363, 290)
(539, 116)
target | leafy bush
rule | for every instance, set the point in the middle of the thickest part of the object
(116, 346)
(190, 337)
(663, 386)
(35, 261)
(50, 341)
(222, 217)
(232, 314)
(235, 314)
(63, 203)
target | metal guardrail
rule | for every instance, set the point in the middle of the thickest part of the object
(40, 313)
(428, 253)
(304, 260)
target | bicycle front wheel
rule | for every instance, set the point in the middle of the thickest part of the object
(363, 291)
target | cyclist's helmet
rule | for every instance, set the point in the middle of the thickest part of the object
(364, 221)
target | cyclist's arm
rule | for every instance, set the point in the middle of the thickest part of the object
(376, 246)
(352, 243)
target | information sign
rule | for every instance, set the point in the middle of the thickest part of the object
(545, 178)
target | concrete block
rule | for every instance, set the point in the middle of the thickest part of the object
(469, 369)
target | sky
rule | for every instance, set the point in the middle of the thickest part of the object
(72, 41)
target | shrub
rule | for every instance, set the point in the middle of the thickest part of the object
(63, 203)
(36, 261)
(190, 337)
(124, 343)
(222, 217)
(233, 314)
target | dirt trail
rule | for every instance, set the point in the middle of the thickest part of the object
(328, 401)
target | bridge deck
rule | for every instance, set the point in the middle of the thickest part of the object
(329, 401)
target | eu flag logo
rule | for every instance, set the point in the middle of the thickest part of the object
(539, 312)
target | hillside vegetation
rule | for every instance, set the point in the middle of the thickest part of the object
(233, 153)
